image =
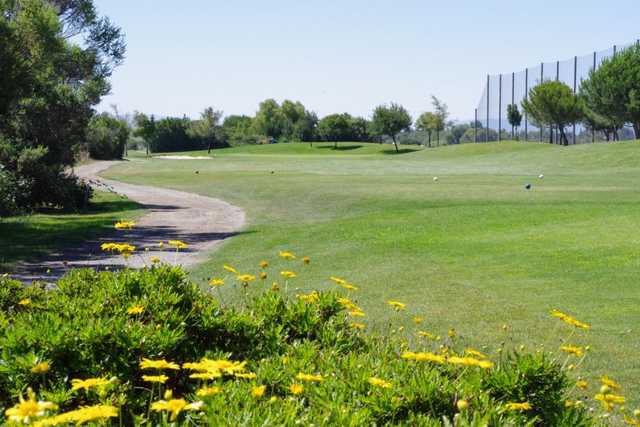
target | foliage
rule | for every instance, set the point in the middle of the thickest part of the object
(208, 129)
(107, 137)
(441, 116)
(390, 121)
(611, 94)
(553, 103)
(514, 117)
(270, 121)
(343, 376)
(427, 122)
(238, 130)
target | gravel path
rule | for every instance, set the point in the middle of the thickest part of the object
(201, 222)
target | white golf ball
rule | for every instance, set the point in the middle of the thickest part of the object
(541, 176)
(435, 178)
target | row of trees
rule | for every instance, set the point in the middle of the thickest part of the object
(56, 57)
(606, 102)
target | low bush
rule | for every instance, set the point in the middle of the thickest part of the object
(107, 137)
(150, 348)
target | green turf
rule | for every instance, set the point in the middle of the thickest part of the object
(474, 250)
(24, 238)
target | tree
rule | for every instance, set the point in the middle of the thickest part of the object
(270, 121)
(441, 115)
(612, 91)
(208, 128)
(390, 121)
(145, 128)
(553, 103)
(514, 117)
(457, 131)
(427, 122)
(238, 130)
(107, 137)
(336, 128)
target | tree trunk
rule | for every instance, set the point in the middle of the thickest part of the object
(438, 138)
(563, 136)
(209, 149)
(636, 129)
(551, 135)
(429, 139)
(395, 143)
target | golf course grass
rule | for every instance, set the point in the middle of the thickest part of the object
(24, 238)
(473, 250)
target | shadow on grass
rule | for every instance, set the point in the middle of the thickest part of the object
(339, 147)
(401, 151)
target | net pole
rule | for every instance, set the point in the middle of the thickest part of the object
(593, 129)
(541, 81)
(575, 89)
(488, 104)
(513, 100)
(526, 96)
(554, 129)
(475, 127)
(500, 108)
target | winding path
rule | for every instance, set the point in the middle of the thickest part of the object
(201, 222)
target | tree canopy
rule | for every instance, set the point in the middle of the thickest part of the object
(390, 121)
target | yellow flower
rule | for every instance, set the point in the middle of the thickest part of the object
(636, 413)
(569, 320)
(349, 287)
(208, 391)
(158, 364)
(264, 264)
(207, 376)
(379, 382)
(26, 410)
(136, 309)
(40, 368)
(155, 378)
(306, 260)
(418, 320)
(423, 357)
(89, 383)
(216, 282)
(309, 377)
(161, 245)
(211, 369)
(80, 416)
(570, 349)
(286, 255)
(125, 225)
(155, 260)
(25, 302)
(582, 384)
(178, 244)
(397, 306)
(174, 406)
(258, 391)
(263, 275)
(428, 335)
(609, 400)
(122, 248)
(296, 389)
(275, 287)
(470, 361)
(245, 278)
(452, 333)
(513, 406)
(246, 376)
(359, 326)
(474, 353)
(356, 313)
(605, 380)
(230, 269)
(630, 421)
(311, 298)
(462, 405)
(288, 274)
(338, 281)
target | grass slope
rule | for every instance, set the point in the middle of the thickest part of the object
(31, 236)
(474, 250)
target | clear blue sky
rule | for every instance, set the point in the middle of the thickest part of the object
(344, 56)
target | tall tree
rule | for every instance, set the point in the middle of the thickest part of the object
(335, 128)
(514, 117)
(427, 122)
(270, 121)
(208, 128)
(442, 114)
(553, 103)
(390, 121)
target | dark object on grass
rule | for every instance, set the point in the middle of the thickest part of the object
(272, 172)
(197, 172)
(528, 186)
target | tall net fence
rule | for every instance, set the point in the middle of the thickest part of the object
(504, 89)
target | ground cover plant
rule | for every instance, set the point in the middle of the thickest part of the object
(151, 347)
(25, 238)
(469, 250)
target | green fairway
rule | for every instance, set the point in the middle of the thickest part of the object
(473, 250)
(29, 237)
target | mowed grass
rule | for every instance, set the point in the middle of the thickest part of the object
(25, 238)
(473, 250)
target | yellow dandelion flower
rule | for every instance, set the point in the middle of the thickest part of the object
(124, 225)
(263, 275)
(288, 274)
(630, 421)
(570, 349)
(245, 278)
(178, 244)
(286, 255)
(462, 405)
(158, 364)
(360, 326)
(379, 382)
(515, 406)
(418, 320)
(452, 333)
(136, 309)
(470, 361)
(41, 368)
(26, 410)
(423, 357)
(208, 391)
(174, 406)
(349, 287)
(474, 353)
(610, 400)
(264, 264)
(582, 384)
(428, 335)
(258, 391)
(25, 302)
(275, 287)
(89, 383)
(296, 389)
(605, 380)
(397, 306)
(216, 282)
(306, 260)
(309, 378)
(338, 280)
(311, 298)
(356, 313)
(230, 269)
(569, 320)
(155, 260)
(206, 376)
(83, 415)
(155, 378)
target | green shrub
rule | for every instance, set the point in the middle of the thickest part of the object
(107, 137)
(102, 325)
